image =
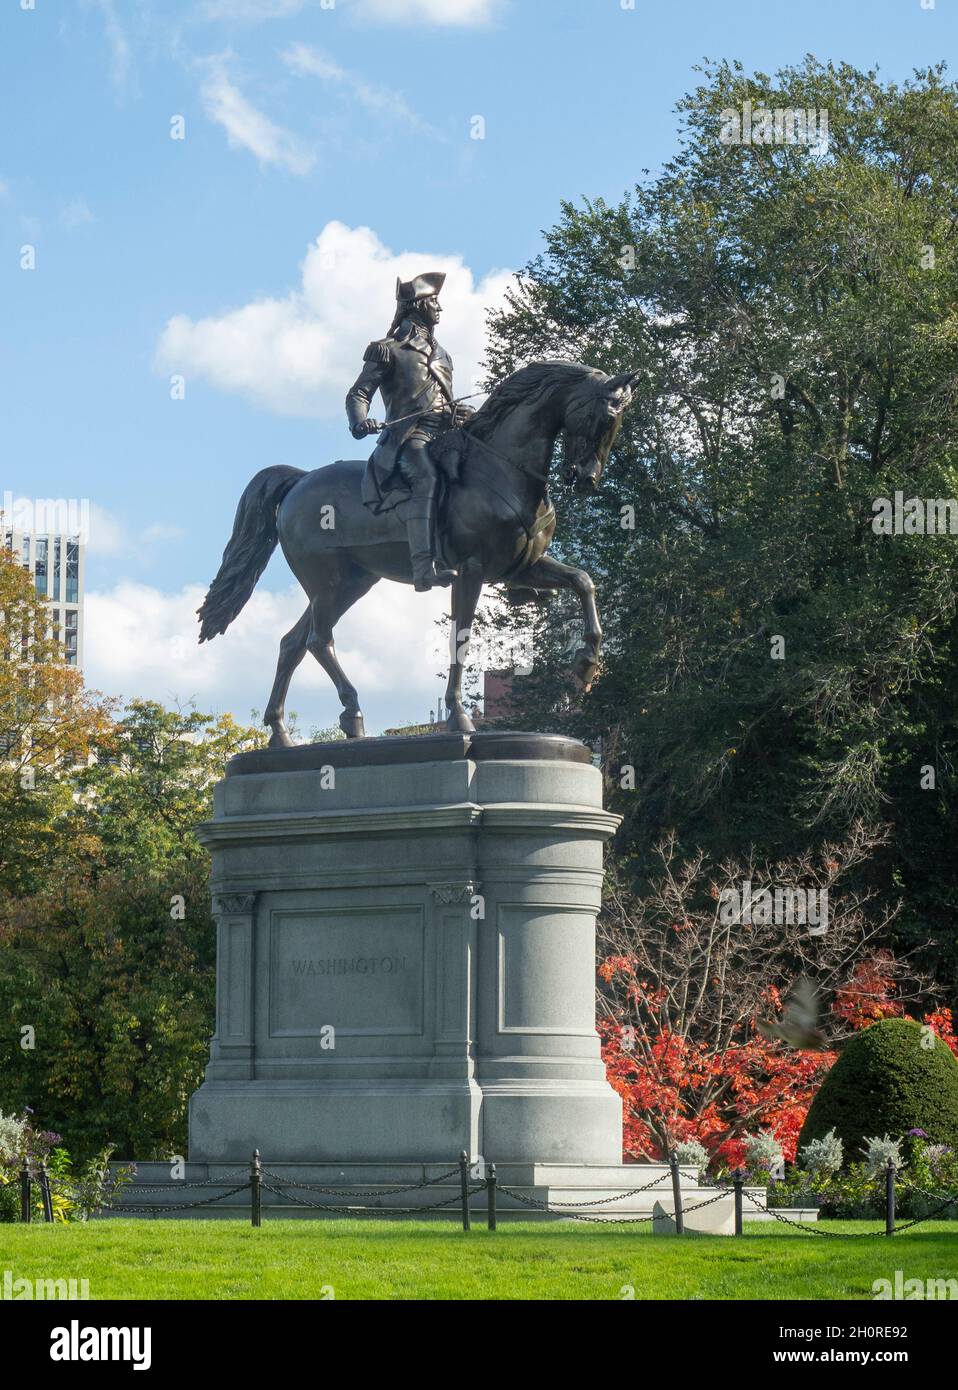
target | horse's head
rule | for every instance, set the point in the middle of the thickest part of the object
(593, 417)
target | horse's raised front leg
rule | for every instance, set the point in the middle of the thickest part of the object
(549, 573)
(466, 589)
(292, 649)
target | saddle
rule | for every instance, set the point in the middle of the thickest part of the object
(449, 451)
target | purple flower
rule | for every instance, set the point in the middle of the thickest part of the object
(918, 1133)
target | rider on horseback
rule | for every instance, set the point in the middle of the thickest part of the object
(414, 374)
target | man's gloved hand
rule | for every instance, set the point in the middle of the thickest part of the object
(365, 427)
(461, 414)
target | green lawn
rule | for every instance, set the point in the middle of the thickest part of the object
(412, 1260)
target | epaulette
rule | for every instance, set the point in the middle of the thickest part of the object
(377, 351)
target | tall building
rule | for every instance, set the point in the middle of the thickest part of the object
(57, 564)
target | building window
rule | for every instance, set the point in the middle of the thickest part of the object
(25, 553)
(73, 572)
(71, 618)
(56, 568)
(40, 569)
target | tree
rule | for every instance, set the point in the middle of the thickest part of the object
(151, 783)
(686, 970)
(774, 669)
(110, 963)
(115, 979)
(48, 724)
(893, 1077)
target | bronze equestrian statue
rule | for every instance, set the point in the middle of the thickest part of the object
(448, 496)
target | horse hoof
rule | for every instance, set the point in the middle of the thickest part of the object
(352, 725)
(584, 670)
(460, 723)
(280, 737)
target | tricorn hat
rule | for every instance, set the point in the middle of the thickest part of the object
(421, 286)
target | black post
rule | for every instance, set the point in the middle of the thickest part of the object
(677, 1195)
(491, 1195)
(738, 1182)
(25, 1192)
(45, 1193)
(464, 1186)
(256, 1190)
(890, 1198)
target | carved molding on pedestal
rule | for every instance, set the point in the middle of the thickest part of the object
(450, 893)
(234, 904)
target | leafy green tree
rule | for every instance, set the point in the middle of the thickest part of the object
(115, 979)
(48, 724)
(110, 962)
(774, 669)
(152, 782)
(894, 1077)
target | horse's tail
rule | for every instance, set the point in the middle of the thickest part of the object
(248, 548)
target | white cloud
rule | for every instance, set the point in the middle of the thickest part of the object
(246, 127)
(107, 534)
(120, 49)
(141, 642)
(161, 532)
(76, 213)
(308, 61)
(299, 355)
(443, 12)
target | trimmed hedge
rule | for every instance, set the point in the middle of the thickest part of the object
(886, 1082)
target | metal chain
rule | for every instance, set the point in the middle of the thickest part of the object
(602, 1201)
(352, 1192)
(572, 1214)
(179, 1206)
(811, 1229)
(63, 1184)
(368, 1211)
(932, 1196)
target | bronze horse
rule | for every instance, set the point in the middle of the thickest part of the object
(496, 525)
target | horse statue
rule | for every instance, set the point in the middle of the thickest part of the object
(495, 527)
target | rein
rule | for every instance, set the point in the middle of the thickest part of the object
(520, 468)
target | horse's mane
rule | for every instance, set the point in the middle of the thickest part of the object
(526, 385)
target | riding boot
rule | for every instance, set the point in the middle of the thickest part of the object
(427, 573)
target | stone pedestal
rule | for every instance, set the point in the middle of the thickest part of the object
(405, 955)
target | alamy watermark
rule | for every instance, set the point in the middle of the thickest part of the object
(42, 1290)
(47, 516)
(783, 906)
(915, 516)
(899, 1288)
(757, 124)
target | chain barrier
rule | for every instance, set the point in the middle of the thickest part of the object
(370, 1211)
(264, 1179)
(63, 1185)
(930, 1196)
(369, 1192)
(600, 1201)
(812, 1229)
(178, 1206)
(572, 1211)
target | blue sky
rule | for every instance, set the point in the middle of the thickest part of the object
(305, 124)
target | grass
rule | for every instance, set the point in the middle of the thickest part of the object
(411, 1260)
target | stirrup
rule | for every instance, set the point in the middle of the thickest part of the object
(433, 576)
